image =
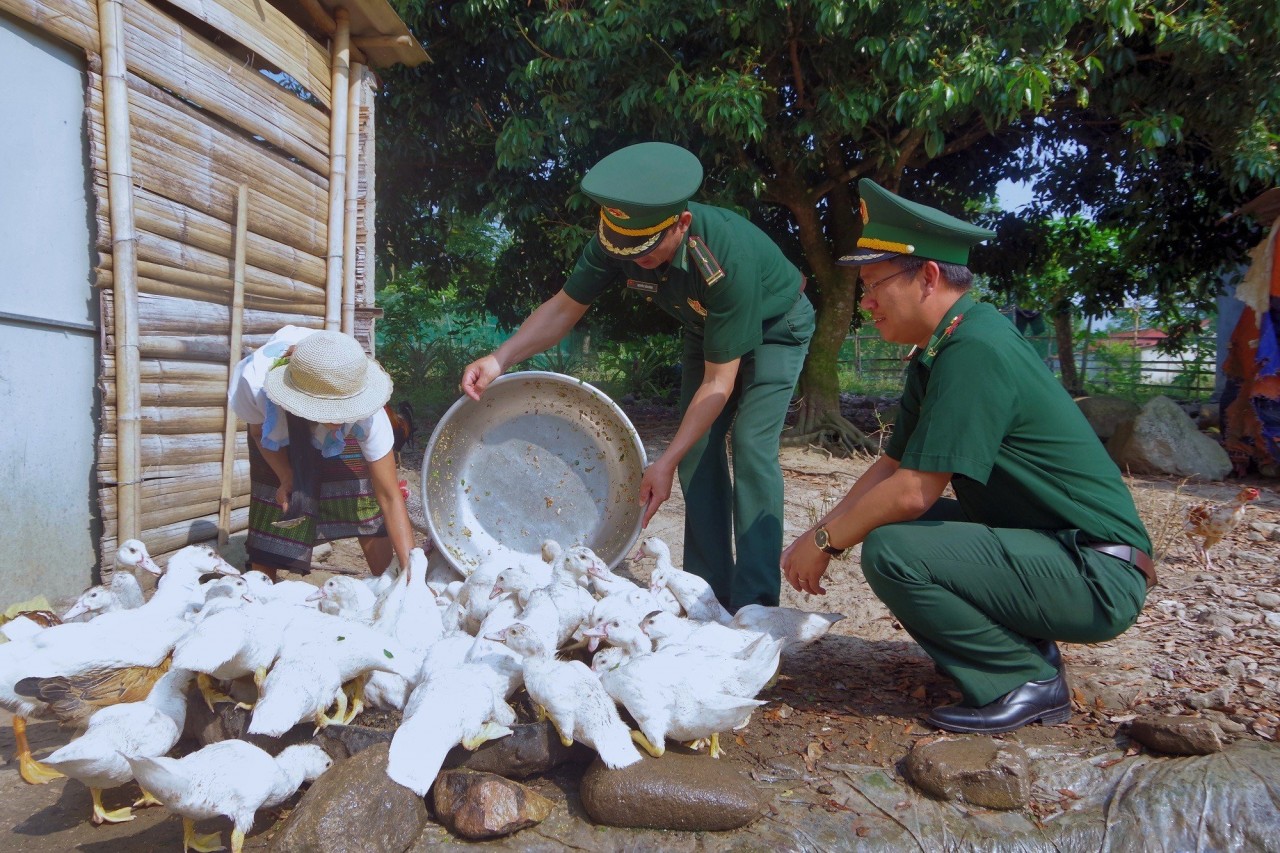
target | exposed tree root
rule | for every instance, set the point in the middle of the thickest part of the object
(830, 431)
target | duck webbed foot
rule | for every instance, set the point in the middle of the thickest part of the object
(32, 771)
(102, 815)
(147, 799)
(209, 690)
(655, 751)
(200, 842)
(488, 732)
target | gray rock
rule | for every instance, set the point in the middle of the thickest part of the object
(530, 749)
(1269, 600)
(685, 792)
(228, 722)
(484, 805)
(1272, 620)
(354, 808)
(1106, 414)
(1163, 440)
(1222, 632)
(1219, 697)
(1178, 735)
(976, 770)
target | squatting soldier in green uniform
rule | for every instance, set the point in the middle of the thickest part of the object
(746, 327)
(1042, 541)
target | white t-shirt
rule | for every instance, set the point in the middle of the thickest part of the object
(247, 397)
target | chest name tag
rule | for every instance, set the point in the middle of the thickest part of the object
(645, 286)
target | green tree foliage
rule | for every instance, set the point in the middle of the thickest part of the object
(1154, 117)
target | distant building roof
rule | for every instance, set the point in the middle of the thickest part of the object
(1141, 338)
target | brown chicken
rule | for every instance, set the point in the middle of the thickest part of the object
(1208, 523)
(401, 426)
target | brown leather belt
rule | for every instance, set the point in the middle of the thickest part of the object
(1131, 555)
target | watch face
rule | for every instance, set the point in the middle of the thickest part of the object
(820, 538)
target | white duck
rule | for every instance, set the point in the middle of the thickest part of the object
(741, 671)
(284, 592)
(231, 778)
(346, 597)
(147, 728)
(669, 695)
(142, 637)
(693, 592)
(131, 556)
(572, 697)
(320, 654)
(666, 629)
(608, 583)
(473, 599)
(409, 615)
(796, 627)
(379, 584)
(94, 601)
(230, 642)
(457, 702)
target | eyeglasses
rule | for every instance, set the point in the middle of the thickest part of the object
(869, 289)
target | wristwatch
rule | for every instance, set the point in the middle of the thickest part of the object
(823, 541)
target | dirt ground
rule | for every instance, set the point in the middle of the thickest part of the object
(858, 697)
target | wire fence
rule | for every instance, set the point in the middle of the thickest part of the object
(869, 364)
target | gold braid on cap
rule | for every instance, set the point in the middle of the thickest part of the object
(627, 252)
(886, 246)
(641, 232)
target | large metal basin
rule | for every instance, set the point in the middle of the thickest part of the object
(539, 456)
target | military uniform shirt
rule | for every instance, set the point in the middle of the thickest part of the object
(729, 314)
(980, 403)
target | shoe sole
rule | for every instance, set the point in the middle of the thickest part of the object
(1049, 718)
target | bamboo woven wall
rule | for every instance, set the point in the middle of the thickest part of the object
(201, 123)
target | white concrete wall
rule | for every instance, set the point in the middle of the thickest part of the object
(48, 419)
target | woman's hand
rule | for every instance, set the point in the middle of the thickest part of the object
(283, 491)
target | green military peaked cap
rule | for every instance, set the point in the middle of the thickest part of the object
(892, 226)
(642, 190)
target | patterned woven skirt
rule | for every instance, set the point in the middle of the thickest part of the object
(345, 507)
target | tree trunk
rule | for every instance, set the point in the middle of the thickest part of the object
(833, 291)
(1063, 330)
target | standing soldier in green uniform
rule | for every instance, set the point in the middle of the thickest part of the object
(1042, 541)
(746, 327)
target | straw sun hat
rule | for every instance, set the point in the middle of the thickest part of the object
(329, 379)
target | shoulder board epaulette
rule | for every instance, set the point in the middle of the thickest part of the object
(705, 261)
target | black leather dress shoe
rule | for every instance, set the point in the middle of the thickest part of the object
(1048, 649)
(1047, 701)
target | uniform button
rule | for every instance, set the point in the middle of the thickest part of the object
(648, 299)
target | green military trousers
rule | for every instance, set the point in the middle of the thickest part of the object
(975, 597)
(742, 515)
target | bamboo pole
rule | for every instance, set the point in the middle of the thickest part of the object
(353, 201)
(237, 318)
(124, 247)
(337, 166)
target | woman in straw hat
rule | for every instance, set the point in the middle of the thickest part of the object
(320, 460)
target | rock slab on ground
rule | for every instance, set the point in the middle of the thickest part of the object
(1163, 440)
(1106, 414)
(354, 808)
(1177, 735)
(229, 722)
(979, 771)
(686, 792)
(530, 749)
(484, 805)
